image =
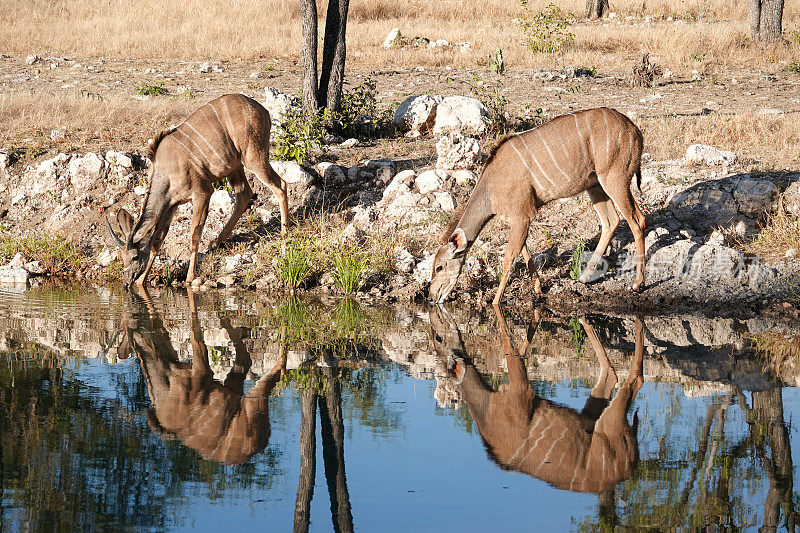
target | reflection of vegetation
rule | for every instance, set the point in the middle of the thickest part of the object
(71, 462)
(578, 335)
(776, 348)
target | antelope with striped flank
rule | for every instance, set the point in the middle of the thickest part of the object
(597, 151)
(217, 141)
(587, 451)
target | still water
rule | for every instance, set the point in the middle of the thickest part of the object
(175, 411)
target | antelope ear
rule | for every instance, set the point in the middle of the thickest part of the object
(459, 240)
(125, 221)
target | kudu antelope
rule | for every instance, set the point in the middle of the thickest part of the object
(590, 451)
(219, 140)
(597, 151)
(216, 419)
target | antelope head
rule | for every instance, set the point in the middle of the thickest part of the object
(447, 266)
(135, 257)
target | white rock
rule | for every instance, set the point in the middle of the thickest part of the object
(85, 170)
(416, 113)
(32, 59)
(349, 143)
(429, 181)
(278, 104)
(17, 261)
(204, 68)
(13, 275)
(140, 190)
(222, 201)
(331, 172)
(403, 261)
(34, 267)
(424, 269)
(464, 178)
(461, 114)
(457, 152)
(107, 256)
(291, 172)
(755, 195)
(226, 281)
(231, 263)
(119, 159)
(708, 155)
(393, 39)
(401, 183)
(445, 201)
(4, 161)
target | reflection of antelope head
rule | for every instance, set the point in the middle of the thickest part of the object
(587, 451)
(216, 419)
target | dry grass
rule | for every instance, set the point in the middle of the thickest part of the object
(771, 140)
(251, 29)
(781, 232)
(108, 122)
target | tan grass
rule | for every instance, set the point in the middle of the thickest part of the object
(772, 142)
(781, 232)
(251, 29)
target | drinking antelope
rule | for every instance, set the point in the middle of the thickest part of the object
(590, 451)
(219, 140)
(597, 151)
(216, 419)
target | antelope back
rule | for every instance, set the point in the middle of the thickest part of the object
(563, 157)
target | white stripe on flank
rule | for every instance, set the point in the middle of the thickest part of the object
(221, 159)
(608, 137)
(583, 143)
(555, 161)
(522, 159)
(536, 443)
(229, 152)
(188, 150)
(536, 160)
(530, 433)
(591, 137)
(205, 158)
(547, 455)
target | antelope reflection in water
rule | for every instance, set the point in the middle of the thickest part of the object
(587, 451)
(216, 419)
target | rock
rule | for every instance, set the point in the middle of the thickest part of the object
(278, 104)
(791, 197)
(226, 281)
(416, 113)
(204, 68)
(393, 39)
(403, 209)
(58, 134)
(313, 197)
(34, 267)
(457, 152)
(17, 261)
(291, 172)
(349, 143)
(119, 159)
(140, 190)
(445, 201)
(385, 174)
(401, 183)
(461, 114)
(107, 256)
(32, 59)
(231, 263)
(222, 201)
(5, 161)
(297, 358)
(14, 275)
(403, 261)
(429, 181)
(424, 269)
(708, 155)
(464, 178)
(331, 173)
(755, 195)
(84, 171)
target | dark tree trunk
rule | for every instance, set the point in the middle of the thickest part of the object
(308, 466)
(332, 426)
(308, 13)
(334, 51)
(595, 9)
(768, 411)
(766, 20)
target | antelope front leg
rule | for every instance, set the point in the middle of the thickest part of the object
(199, 214)
(516, 241)
(537, 283)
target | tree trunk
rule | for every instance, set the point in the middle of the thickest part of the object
(332, 429)
(766, 20)
(308, 467)
(334, 51)
(595, 9)
(308, 14)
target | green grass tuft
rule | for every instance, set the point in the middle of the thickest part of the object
(350, 265)
(294, 262)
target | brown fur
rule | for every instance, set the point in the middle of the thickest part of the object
(152, 145)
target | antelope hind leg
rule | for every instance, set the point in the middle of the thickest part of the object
(243, 191)
(537, 282)
(609, 220)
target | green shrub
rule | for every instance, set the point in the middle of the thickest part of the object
(546, 31)
(294, 262)
(359, 114)
(56, 255)
(298, 134)
(576, 262)
(152, 90)
(349, 267)
(495, 102)
(794, 67)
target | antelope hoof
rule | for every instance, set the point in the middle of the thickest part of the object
(590, 275)
(638, 286)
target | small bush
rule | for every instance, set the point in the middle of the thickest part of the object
(298, 134)
(576, 262)
(294, 263)
(781, 232)
(496, 104)
(350, 265)
(57, 256)
(152, 90)
(546, 31)
(578, 335)
(794, 67)
(359, 114)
